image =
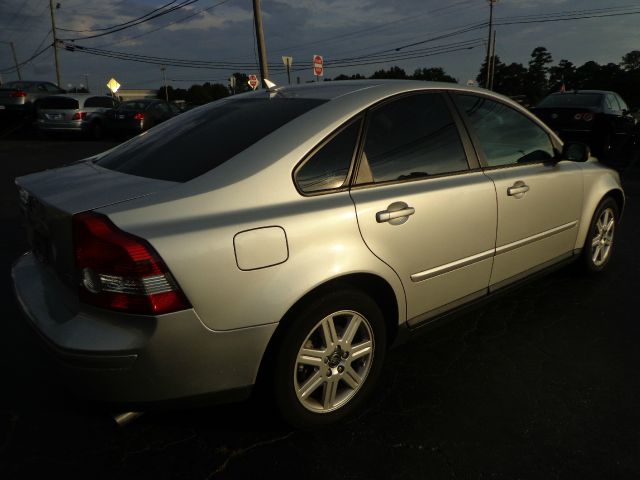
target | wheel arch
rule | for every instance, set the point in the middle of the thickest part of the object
(597, 188)
(376, 287)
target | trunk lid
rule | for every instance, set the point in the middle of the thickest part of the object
(49, 200)
(564, 118)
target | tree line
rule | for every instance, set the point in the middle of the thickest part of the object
(528, 83)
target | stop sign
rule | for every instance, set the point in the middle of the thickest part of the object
(318, 65)
(253, 81)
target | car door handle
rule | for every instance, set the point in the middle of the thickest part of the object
(388, 215)
(517, 189)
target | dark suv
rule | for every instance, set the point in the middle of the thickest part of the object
(599, 118)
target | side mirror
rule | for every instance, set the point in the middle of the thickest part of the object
(576, 152)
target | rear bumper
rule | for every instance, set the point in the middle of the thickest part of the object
(133, 359)
(59, 126)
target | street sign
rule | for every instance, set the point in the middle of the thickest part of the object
(288, 61)
(318, 65)
(253, 81)
(113, 85)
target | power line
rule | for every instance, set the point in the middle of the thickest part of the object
(24, 62)
(183, 4)
(197, 12)
(119, 24)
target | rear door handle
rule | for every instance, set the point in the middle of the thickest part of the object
(389, 215)
(518, 188)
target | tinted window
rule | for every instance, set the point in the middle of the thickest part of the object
(328, 168)
(198, 141)
(58, 103)
(612, 103)
(572, 100)
(506, 136)
(622, 103)
(98, 102)
(411, 137)
(51, 88)
(134, 105)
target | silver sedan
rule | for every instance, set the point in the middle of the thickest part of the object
(291, 236)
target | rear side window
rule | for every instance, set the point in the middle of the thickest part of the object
(198, 141)
(327, 169)
(98, 102)
(58, 103)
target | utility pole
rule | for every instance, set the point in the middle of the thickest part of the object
(262, 52)
(164, 80)
(55, 41)
(15, 60)
(86, 82)
(489, 49)
(493, 61)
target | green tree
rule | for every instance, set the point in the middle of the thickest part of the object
(393, 72)
(537, 85)
(631, 61)
(357, 76)
(434, 74)
(563, 73)
(482, 76)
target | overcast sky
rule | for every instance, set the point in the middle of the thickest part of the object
(335, 29)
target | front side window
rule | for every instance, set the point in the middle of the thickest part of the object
(506, 136)
(327, 168)
(414, 136)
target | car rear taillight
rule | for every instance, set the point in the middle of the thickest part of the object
(138, 116)
(587, 117)
(120, 271)
(19, 94)
(79, 116)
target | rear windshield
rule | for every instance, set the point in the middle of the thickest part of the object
(199, 140)
(134, 105)
(572, 100)
(58, 103)
(95, 102)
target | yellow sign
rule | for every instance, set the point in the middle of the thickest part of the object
(113, 85)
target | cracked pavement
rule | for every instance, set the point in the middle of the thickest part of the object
(540, 383)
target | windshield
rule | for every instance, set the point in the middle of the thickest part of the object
(197, 141)
(572, 100)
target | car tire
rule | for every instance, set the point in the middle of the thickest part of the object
(598, 246)
(329, 359)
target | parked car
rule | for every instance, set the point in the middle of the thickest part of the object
(136, 116)
(20, 97)
(291, 236)
(77, 112)
(600, 118)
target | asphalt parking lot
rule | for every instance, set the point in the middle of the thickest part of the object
(540, 384)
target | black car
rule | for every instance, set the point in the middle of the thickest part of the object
(599, 118)
(136, 116)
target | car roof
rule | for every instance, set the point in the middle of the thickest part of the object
(331, 90)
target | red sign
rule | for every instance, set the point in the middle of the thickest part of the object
(253, 81)
(318, 65)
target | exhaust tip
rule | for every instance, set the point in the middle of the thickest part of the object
(125, 418)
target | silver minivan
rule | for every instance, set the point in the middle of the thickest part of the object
(82, 112)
